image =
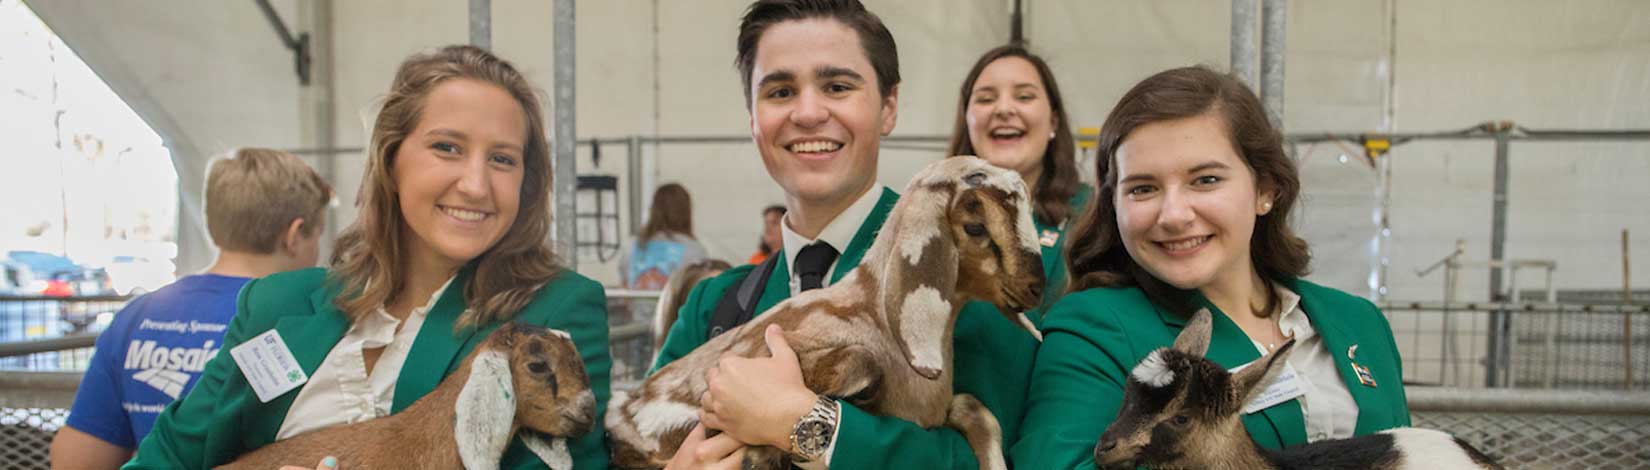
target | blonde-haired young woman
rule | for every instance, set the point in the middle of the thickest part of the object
(449, 245)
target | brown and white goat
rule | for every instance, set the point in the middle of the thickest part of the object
(521, 378)
(881, 337)
(1181, 411)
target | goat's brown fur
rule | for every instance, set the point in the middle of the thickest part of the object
(881, 337)
(555, 402)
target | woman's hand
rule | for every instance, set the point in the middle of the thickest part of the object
(697, 452)
(757, 400)
(329, 463)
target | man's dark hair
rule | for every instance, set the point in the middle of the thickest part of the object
(873, 36)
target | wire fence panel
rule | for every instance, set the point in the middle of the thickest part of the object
(1523, 345)
(34, 318)
(1550, 441)
(26, 436)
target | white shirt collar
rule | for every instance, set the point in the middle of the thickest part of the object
(839, 232)
(1294, 322)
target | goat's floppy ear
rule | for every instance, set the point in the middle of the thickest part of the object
(1253, 379)
(1194, 340)
(551, 450)
(485, 411)
(920, 278)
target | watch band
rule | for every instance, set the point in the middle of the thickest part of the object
(813, 433)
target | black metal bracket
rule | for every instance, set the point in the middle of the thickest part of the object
(299, 45)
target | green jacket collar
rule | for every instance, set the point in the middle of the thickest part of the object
(1230, 347)
(778, 287)
(312, 337)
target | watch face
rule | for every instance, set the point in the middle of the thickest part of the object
(813, 437)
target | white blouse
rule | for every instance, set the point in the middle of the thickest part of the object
(341, 391)
(1327, 406)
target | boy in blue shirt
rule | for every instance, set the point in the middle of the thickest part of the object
(264, 211)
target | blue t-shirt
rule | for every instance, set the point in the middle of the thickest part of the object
(151, 355)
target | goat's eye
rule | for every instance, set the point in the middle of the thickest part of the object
(537, 367)
(974, 230)
(1181, 420)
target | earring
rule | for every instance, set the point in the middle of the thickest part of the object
(1266, 207)
(1050, 135)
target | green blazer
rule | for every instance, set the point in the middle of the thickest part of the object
(1093, 339)
(1054, 256)
(221, 417)
(992, 358)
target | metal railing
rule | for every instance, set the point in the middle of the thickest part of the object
(52, 333)
(1546, 345)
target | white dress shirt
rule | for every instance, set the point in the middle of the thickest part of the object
(341, 391)
(839, 233)
(1327, 406)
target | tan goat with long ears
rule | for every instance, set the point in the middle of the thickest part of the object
(521, 378)
(1181, 411)
(881, 337)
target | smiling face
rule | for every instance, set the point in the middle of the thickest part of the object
(1186, 203)
(458, 174)
(816, 115)
(1010, 120)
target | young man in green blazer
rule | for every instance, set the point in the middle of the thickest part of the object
(822, 88)
(1193, 212)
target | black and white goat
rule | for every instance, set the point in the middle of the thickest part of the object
(521, 378)
(1181, 411)
(881, 337)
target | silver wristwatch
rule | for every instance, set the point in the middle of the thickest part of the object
(813, 433)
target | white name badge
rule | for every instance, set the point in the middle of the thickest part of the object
(1284, 387)
(269, 366)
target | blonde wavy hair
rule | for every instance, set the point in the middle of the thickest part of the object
(369, 258)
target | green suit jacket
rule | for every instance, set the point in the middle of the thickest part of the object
(221, 417)
(1093, 339)
(992, 360)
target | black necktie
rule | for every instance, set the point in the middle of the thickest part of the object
(812, 263)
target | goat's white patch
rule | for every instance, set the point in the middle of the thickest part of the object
(552, 452)
(484, 411)
(1153, 371)
(562, 334)
(657, 417)
(1427, 448)
(915, 233)
(923, 317)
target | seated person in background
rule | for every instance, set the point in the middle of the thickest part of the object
(770, 241)
(675, 294)
(264, 211)
(666, 242)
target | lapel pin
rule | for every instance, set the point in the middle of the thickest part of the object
(1364, 376)
(1049, 238)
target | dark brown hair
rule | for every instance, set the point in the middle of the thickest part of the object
(1058, 183)
(369, 261)
(873, 36)
(672, 212)
(1098, 257)
(761, 242)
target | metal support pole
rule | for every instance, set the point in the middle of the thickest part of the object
(1498, 245)
(1016, 31)
(481, 24)
(1243, 44)
(1273, 42)
(1626, 318)
(634, 187)
(564, 178)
